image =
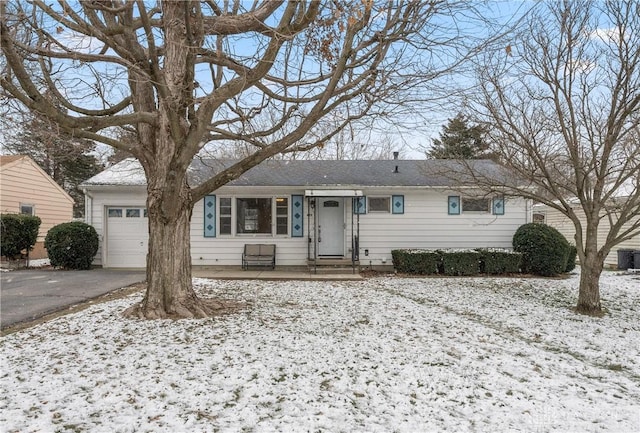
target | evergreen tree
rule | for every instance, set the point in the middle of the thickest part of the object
(68, 160)
(458, 140)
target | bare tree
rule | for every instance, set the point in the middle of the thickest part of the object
(563, 107)
(183, 73)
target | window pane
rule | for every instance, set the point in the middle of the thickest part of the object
(26, 209)
(379, 204)
(475, 205)
(145, 214)
(115, 213)
(282, 215)
(253, 215)
(225, 216)
(133, 213)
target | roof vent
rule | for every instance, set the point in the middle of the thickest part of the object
(395, 155)
(395, 170)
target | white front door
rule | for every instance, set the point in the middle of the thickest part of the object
(331, 226)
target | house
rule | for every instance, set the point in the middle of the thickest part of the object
(26, 189)
(554, 218)
(354, 211)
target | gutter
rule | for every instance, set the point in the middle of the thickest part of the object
(88, 206)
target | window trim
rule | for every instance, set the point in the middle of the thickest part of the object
(115, 208)
(32, 206)
(477, 212)
(274, 216)
(388, 199)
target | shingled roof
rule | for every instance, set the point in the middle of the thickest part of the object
(321, 173)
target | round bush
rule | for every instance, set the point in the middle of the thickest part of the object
(17, 233)
(571, 260)
(544, 250)
(72, 245)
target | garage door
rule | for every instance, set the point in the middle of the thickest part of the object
(127, 237)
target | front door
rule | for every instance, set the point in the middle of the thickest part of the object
(331, 227)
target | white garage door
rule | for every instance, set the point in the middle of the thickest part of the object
(127, 237)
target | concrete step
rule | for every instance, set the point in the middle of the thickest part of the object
(333, 266)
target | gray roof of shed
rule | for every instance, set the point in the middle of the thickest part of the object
(320, 173)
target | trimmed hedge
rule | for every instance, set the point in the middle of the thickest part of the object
(460, 262)
(496, 262)
(545, 251)
(72, 245)
(456, 263)
(416, 261)
(18, 233)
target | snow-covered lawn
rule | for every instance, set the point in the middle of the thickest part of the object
(381, 355)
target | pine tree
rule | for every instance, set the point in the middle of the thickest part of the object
(458, 140)
(68, 160)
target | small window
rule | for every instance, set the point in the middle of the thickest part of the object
(379, 204)
(115, 213)
(330, 203)
(144, 213)
(538, 218)
(27, 209)
(475, 205)
(282, 215)
(133, 213)
(225, 216)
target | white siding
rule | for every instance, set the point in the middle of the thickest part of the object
(97, 214)
(565, 226)
(424, 224)
(224, 250)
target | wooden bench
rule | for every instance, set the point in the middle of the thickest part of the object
(259, 255)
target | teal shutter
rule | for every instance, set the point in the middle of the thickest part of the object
(498, 205)
(397, 204)
(454, 205)
(297, 216)
(360, 205)
(210, 216)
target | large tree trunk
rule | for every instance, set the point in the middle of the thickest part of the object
(591, 268)
(170, 293)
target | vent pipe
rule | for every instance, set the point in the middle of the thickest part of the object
(395, 155)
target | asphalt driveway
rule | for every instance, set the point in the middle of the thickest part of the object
(26, 295)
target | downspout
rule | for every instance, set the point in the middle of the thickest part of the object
(315, 237)
(88, 206)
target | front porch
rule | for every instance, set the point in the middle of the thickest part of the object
(281, 274)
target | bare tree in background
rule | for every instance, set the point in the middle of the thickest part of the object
(180, 74)
(563, 107)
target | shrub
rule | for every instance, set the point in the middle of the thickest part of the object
(416, 261)
(72, 245)
(17, 233)
(571, 261)
(460, 262)
(545, 251)
(497, 262)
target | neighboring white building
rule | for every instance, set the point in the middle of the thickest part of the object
(564, 225)
(357, 211)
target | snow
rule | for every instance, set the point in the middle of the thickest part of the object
(127, 172)
(382, 354)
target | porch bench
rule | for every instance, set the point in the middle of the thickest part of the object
(259, 255)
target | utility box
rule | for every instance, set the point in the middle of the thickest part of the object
(626, 258)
